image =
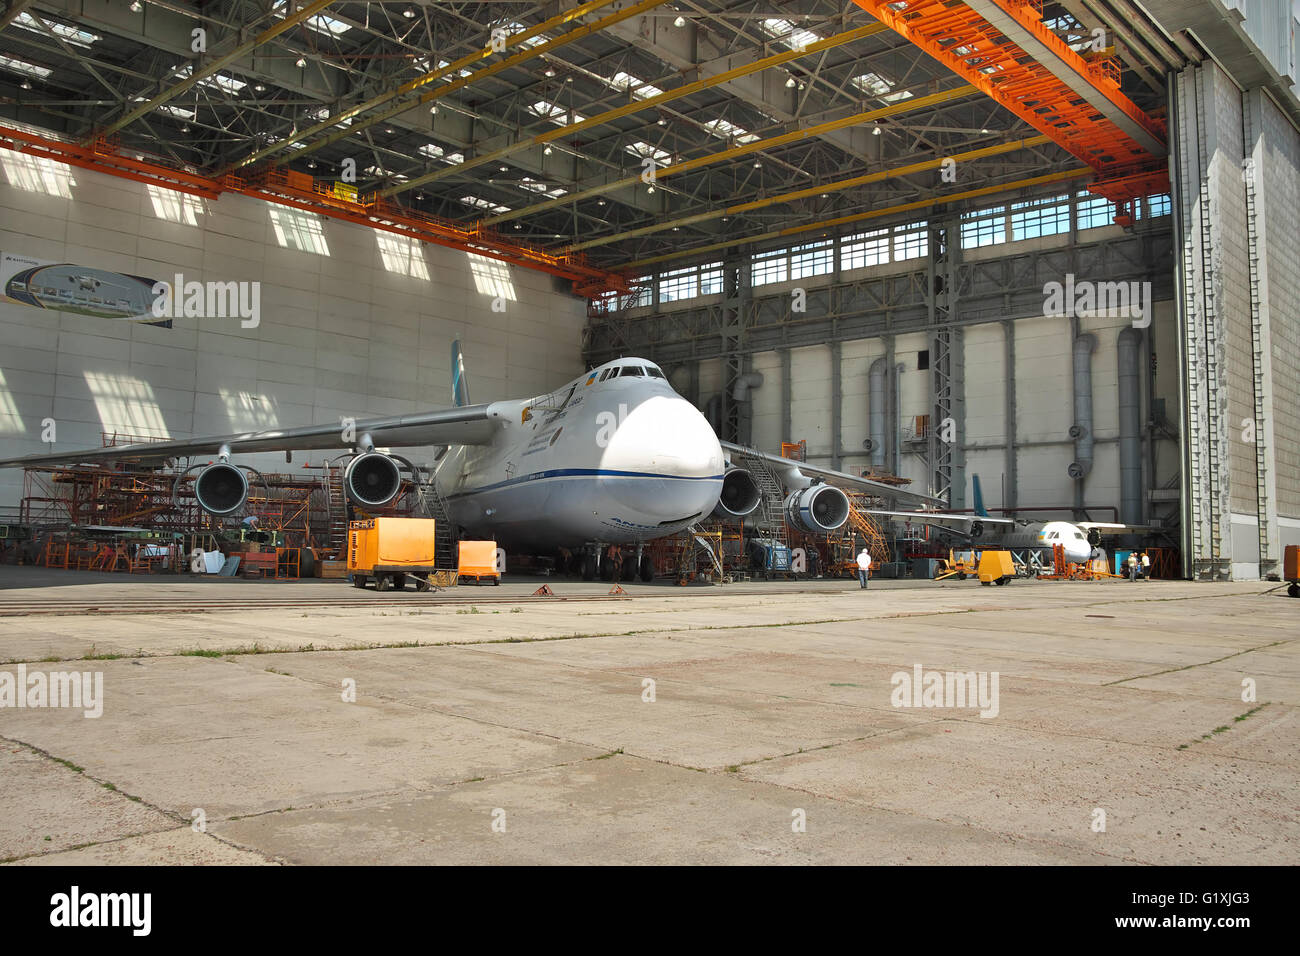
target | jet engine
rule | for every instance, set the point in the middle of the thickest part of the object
(221, 489)
(372, 479)
(740, 495)
(817, 509)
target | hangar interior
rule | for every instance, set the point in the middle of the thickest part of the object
(834, 226)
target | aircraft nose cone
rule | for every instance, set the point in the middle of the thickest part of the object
(666, 436)
(669, 450)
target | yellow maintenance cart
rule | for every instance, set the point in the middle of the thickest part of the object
(996, 567)
(478, 560)
(389, 550)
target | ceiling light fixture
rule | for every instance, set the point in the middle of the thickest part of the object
(650, 190)
(550, 71)
(259, 88)
(547, 151)
(789, 82)
(679, 22)
(434, 109)
(875, 130)
(302, 61)
(409, 13)
(136, 6)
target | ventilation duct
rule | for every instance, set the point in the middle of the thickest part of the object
(877, 413)
(1130, 427)
(1081, 430)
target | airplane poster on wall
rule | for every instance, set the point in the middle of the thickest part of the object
(82, 290)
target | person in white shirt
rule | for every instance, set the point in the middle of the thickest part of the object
(1146, 566)
(864, 567)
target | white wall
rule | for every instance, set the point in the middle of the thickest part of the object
(341, 334)
(1044, 405)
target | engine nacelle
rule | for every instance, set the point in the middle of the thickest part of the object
(740, 497)
(372, 479)
(221, 489)
(817, 509)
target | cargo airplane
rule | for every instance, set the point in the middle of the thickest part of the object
(614, 457)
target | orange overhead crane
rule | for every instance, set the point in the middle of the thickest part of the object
(290, 188)
(1003, 48)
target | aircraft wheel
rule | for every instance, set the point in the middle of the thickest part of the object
(422, 585)
(383, 582)
(607, 568)
(358, 580)
(1294, 590)
(628, 572)
(1001, 581)
(961, 575)
(987, 583)
(399, 582)
(647, 569)
(588, 567)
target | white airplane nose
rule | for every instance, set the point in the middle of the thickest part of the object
(666, 436)
(668, 443)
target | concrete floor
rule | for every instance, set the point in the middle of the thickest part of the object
(772, 704)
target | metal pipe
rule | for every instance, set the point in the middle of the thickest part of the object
(1081, 430)
(1130, 425)
(876, 410)
(745, 384)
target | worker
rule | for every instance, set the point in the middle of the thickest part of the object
(1146, 566)
(1132, 566)
(864, 567)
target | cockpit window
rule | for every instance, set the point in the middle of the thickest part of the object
(654, 372)
(633, 370)
(1078, 536)
(608, 373)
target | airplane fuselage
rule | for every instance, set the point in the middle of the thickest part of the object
(615, 457)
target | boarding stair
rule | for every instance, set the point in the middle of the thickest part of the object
(431, 504)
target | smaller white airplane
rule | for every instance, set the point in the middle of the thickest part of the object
(1080, 539)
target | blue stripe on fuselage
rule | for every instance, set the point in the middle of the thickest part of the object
(579, 473)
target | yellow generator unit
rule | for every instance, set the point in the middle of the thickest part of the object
(996, 567)
(387, 550)
(478, 560)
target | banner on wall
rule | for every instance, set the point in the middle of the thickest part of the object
(82, 290)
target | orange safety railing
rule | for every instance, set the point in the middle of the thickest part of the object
(961, 38)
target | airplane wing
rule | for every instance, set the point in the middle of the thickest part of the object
(963, 524)
(1106, 527)
(795, 474)
(467, 425)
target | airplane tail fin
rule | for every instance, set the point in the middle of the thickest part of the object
(979, 497)
(459, 386)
